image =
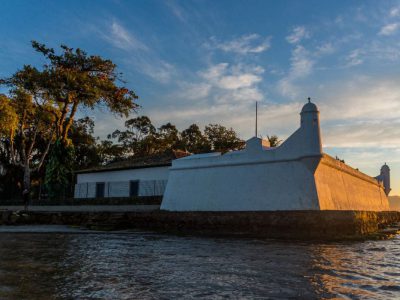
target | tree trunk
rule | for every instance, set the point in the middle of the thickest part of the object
(27, 178)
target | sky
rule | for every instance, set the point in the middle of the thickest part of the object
(209, 62)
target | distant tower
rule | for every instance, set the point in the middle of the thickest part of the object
(385, 178)
(310, 127)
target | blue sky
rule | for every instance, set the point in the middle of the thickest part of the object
(209, 61)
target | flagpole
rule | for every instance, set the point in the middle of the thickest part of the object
(256, 117)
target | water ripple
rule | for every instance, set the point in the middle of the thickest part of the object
(141, 265)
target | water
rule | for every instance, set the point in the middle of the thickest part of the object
(70, 264)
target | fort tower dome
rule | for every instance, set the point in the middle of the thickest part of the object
(309, 124)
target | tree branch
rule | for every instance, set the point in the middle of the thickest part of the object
(70, 120)
(45, 152)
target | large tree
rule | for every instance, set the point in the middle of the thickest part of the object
(168, 138)
(139, 138)
(26, 132)
(67, 81)
(194, 141)
(74, 79)
(223, 139)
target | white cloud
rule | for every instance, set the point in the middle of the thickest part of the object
(364, 99)
(250, 43)
(298, 34)
(394, 12)
(354, 58)
(123, 39)
(384, 51)
(325, 48)
(376, 134)
(361, 114)
(140, 56)
(157, 69)
(214, 72)
(176, 10)
(301, 66)
(375, 52)
(241, 96)
(389, 29)
(301, 63)
(234, 77)
(194, 91)
(223, 93)
(233, 82)
(288, 88)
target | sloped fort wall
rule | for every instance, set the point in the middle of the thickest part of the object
(341, 187)
(241, 187)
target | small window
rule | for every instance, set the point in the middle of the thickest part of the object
(134, 188)
(100, 189)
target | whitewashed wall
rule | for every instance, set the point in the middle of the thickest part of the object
(91, 190)
(152, 182)
(117, 189)
(271, 186)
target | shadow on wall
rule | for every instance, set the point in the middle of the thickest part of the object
(394, 202)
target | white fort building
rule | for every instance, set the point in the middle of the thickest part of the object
(297, 175)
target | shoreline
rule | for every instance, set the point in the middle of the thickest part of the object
(299, 225)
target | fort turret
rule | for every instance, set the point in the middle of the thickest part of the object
(306, 141)
(385, 178)
(309, 125)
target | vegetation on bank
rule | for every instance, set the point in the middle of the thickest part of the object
(42, 142)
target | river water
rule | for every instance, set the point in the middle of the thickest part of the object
(60, 263)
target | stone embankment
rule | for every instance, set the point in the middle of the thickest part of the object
(325, 225)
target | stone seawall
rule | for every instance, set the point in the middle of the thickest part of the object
(325, 225)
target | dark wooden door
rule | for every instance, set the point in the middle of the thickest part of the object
(134, 188)
(100, 190)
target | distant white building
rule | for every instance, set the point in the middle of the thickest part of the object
(129, 178)
(297, 175)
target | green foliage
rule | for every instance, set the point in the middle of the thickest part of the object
(8, 117)
(141, 139)
(109, 151)
(168, 137)
(59, 169)
(194, 141)
(223, 139)
(274, 141)
(70, 80)
(85, 144)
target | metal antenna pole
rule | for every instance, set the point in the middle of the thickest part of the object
(256, 117)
